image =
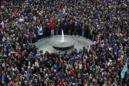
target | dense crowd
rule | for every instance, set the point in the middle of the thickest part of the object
(23, 22)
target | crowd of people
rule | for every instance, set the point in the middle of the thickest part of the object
(23, 22)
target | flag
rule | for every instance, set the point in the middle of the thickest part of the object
(124, 70)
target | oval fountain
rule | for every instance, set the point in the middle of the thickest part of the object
(62, 42)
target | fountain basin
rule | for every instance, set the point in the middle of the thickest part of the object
(57, 43)
(47, 44)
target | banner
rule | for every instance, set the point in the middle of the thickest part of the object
(124, 70)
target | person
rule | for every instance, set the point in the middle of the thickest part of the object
(52, 26)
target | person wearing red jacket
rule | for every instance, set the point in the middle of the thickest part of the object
(52, 25)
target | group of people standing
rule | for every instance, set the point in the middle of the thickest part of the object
(23, 22)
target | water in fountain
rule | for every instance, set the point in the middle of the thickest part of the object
(62, 39)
